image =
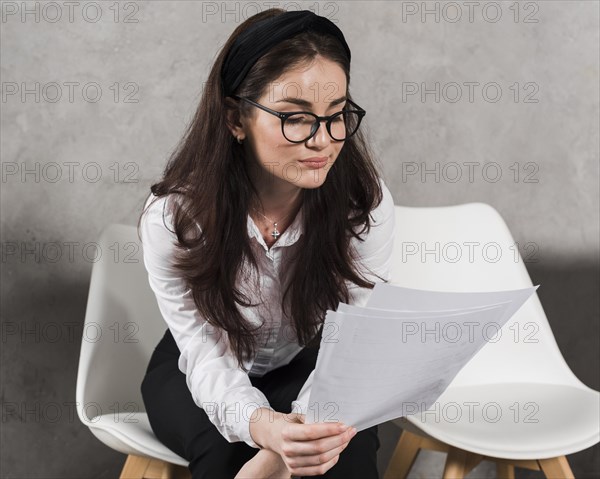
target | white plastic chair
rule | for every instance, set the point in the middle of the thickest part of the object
(122, 327)
(523, 371)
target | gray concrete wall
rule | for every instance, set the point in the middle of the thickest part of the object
(499, 105)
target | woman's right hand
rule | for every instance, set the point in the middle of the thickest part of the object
(306, 449)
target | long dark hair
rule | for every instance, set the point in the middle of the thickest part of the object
(208, 174)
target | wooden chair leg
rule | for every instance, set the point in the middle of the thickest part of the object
(456, 463)
(135, 467)
(404, 456)
(505, 471)
(460, 462)
(556, 468)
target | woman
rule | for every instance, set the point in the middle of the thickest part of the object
(228, 385)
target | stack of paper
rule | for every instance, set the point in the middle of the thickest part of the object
(403, 349)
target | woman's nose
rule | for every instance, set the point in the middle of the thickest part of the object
(321, 136)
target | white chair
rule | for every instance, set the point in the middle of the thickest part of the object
(546, 413)
(122, 327)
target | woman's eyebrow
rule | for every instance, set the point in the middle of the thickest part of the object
(301, 102)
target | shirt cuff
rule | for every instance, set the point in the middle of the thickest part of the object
(300, 405)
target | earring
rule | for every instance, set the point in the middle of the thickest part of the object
(239, 140)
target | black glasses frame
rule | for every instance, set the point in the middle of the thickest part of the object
(318, 119)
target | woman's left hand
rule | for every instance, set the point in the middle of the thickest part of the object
(265, 464)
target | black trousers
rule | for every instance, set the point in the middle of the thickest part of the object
(184, 427)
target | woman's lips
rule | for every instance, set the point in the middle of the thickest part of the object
(315, 162)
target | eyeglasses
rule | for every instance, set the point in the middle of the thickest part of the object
(300, 126)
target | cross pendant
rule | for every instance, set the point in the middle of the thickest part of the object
(275, 234)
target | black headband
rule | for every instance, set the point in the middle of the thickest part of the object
(264, 35)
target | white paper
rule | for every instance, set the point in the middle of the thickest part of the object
(397, 356)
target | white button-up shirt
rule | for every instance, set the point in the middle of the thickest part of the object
(215, 381)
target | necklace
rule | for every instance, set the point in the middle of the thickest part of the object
(275, 234)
